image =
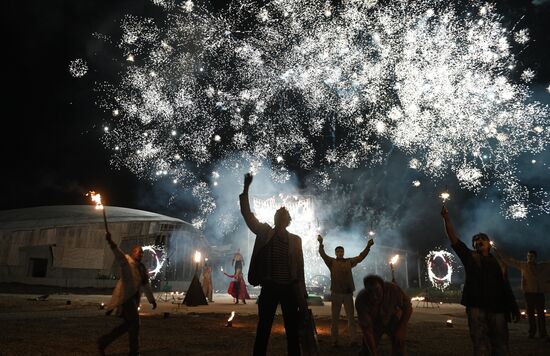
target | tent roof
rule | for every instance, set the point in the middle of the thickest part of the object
(69, 215)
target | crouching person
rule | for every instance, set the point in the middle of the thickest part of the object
(382, 308)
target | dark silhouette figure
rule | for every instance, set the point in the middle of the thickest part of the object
(535, 281)
(382, 308)
(277, 264)
(487, 294)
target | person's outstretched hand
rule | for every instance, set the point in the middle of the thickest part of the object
(370, 243)
(320, 239)
(247, 180)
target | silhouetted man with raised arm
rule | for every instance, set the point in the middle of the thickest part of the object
(487, 295)
(342, 286)
(535, 281)
(277, 264)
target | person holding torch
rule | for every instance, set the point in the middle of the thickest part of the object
(126, 296)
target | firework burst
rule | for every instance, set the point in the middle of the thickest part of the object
(303, 84)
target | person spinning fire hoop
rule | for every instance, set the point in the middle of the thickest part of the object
(237, 287)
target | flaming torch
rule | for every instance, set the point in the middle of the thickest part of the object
(393, 261)
(230, 320)
(96, 198)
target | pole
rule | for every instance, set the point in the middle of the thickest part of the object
(406, 271)
(419, 273)
(105, 220)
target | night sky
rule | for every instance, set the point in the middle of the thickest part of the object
(52, 154)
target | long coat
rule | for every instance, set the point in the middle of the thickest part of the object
(130, 282)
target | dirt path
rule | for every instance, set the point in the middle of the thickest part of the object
(55, 328)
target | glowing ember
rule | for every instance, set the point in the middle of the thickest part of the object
(229, 322)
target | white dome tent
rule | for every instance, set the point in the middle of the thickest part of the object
(65, 245)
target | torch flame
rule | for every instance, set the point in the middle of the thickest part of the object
(96, 198)
(394, 259)
(231, 317)
(197, 256)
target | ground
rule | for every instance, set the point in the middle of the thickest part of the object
(54, 327)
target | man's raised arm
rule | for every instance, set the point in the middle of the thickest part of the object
(253, 224)
(357, 259)
(119, 255)
(509, 261)
(451, 233)
(328, 260)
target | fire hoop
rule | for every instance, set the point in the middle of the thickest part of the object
(158, 263)
(447, 258)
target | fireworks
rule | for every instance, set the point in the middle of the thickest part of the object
(304, 224)
(266, 83)
(78, 68)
